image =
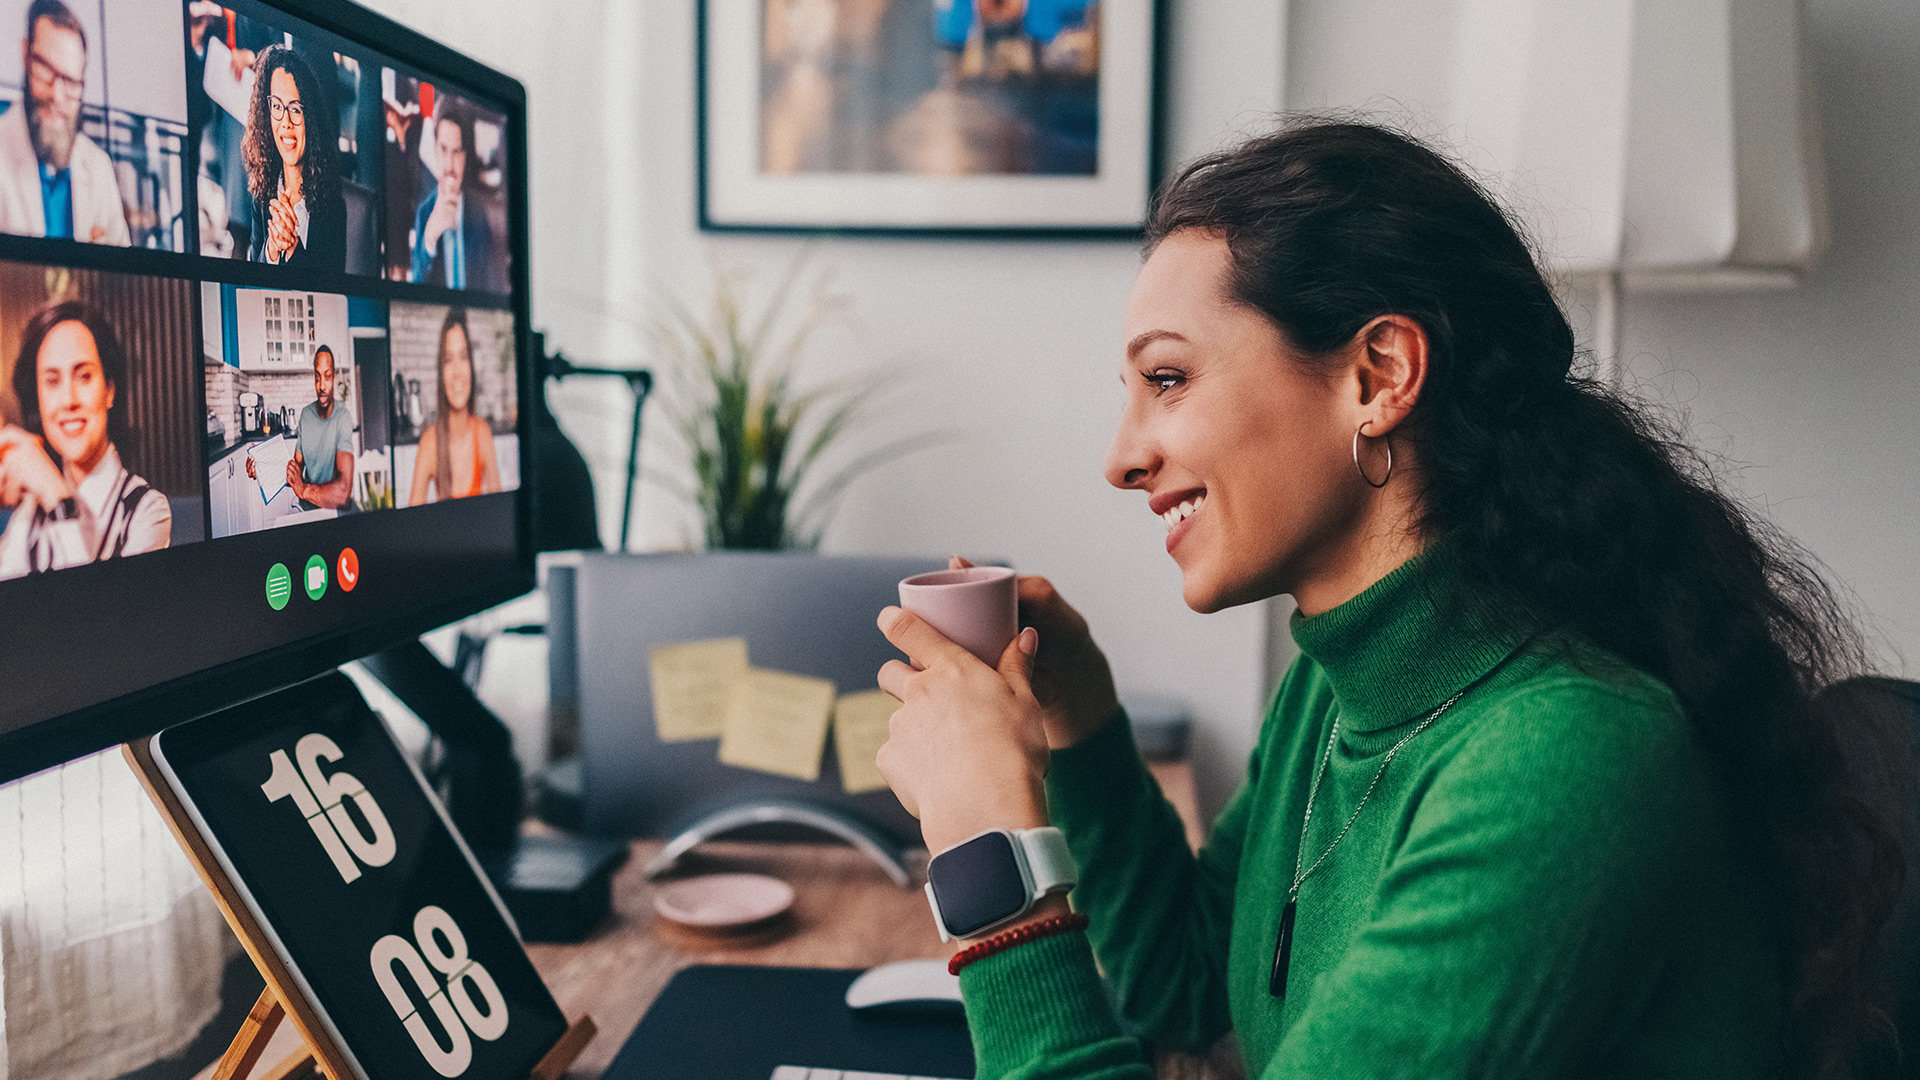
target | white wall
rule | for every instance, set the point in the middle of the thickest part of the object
(1013, 346)
(1815, 390)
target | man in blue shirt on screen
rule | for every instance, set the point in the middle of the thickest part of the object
(452, 241)
(53, 180)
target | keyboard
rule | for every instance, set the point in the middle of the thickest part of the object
(805, 1073)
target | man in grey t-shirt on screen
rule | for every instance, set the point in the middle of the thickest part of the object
(321, 472)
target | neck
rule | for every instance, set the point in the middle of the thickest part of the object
(77, 470)
(324, 408)
(1383, 537)
(291, 177)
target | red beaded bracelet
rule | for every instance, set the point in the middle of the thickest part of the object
(1019, 935)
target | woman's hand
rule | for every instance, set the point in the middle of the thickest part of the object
(283, 228)
(25, 469)
(1071, 678)
(967, 749)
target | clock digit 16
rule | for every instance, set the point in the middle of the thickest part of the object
(321, 799)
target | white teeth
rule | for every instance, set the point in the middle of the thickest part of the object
(1184, 511)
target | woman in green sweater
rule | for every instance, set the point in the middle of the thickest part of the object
(1545, 793)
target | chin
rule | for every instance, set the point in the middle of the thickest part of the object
(1207, 595)
(1201, 595)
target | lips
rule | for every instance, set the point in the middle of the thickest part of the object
(1178, 509)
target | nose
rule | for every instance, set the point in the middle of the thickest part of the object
(1132, 457)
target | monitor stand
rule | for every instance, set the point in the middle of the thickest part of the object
(558, 887)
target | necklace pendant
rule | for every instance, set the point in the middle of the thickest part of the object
(1282, 953)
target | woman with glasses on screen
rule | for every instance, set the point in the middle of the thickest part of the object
(72, 500)
(1547, 792)
(293, 170)
(455, 458)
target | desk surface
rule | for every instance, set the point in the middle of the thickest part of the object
(846, 913)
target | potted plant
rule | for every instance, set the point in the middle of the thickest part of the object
(766, 452)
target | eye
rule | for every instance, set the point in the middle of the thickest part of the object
(1164, 379)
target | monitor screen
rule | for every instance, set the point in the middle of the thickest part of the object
(264, 387)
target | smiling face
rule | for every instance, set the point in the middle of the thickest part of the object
(287, 113)
(74, 394)
(456, 369)
(1241, 447)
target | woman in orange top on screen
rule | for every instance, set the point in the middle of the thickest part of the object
(456, 453)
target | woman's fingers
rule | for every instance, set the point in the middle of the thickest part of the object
(893, 678)
(1016, 662)
(916, 637)
(958, 562)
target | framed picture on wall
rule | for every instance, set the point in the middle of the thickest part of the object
(928, 116)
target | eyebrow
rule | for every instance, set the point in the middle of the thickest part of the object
(1143, 340)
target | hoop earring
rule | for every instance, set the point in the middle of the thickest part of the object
(1356, 458)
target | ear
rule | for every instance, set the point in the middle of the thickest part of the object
(1391, 369)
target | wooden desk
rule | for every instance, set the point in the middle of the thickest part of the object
(846, 913)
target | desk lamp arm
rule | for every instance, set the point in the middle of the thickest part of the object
(640, 381)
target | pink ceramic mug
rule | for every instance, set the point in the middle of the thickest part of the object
(978, 607)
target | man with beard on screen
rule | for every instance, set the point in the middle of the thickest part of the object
(53, 180)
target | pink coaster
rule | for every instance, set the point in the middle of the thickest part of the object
(722, 901)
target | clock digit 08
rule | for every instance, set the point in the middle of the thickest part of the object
(452, 1004)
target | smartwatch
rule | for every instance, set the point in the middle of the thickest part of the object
(995, 877)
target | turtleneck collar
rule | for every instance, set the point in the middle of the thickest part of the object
(1404, 645)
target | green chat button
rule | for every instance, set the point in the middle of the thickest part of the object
(279, 586)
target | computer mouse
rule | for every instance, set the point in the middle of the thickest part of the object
(920, 986)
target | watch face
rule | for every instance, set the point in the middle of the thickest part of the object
(978, 884)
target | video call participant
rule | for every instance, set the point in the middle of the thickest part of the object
(456, 452)
(452, 240)
(73, 501)
(53, 180)
(321, 472)
(299, 214)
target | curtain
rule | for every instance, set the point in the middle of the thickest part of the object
(111, 949)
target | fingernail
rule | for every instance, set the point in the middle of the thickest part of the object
(1029, 641)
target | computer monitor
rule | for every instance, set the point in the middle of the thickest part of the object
(265, 384)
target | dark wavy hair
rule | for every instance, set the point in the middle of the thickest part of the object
(320, 171)
(1579, 508)
(113, 362)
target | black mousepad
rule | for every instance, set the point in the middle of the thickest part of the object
(734, 1022)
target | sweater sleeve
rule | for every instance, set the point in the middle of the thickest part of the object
(1529, 906)
(1159, 915)
(1158, 922)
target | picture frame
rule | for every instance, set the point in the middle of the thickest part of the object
(928, 117)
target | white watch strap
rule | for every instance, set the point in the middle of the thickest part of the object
(1049, 862)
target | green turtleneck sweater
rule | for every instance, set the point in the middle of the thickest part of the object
(1542, 884)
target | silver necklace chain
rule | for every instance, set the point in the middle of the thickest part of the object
(1313, 791)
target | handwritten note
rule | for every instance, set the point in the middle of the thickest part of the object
(859, 730)
(690, 684)
(776, 722)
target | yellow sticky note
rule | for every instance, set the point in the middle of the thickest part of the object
(690, 684)
(859, 730)
(776, 722)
